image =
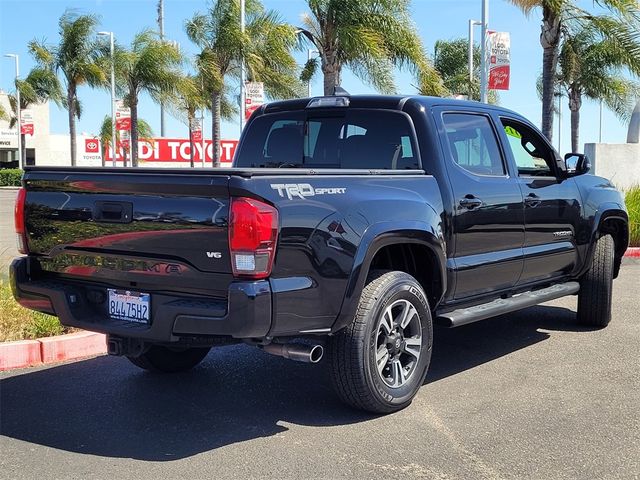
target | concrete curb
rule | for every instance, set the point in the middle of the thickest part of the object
(633, 252)
(62, 348)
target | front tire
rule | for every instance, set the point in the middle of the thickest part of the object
(594, 298)
(380, 360)
(169, 360)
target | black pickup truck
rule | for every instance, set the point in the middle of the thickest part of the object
(351, 224)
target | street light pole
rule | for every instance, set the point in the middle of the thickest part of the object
(18, 112)
(600, 130)
(242, 70)
(310, 52)
(113, 97)
(472, 23)
(204, 151)
(161, 28)
(484, 80)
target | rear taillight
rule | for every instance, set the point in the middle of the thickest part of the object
(253, 234)
(21, 231)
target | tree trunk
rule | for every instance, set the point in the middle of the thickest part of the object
(71, 109)
(332, 72)
(550, 41)
(215, 129)
(191, 141)
(133, 104)
(575, 103)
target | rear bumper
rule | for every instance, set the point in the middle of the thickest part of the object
(245, 314)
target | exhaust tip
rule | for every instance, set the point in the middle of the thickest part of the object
(316, 354)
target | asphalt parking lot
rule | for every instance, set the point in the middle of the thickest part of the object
(529, 395)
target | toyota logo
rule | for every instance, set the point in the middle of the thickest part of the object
(91, 145)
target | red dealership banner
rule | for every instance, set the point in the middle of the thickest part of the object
(26, 122)
(500, 60)
(254, 98)
(123, 116)
(178, 150)
(196, 129)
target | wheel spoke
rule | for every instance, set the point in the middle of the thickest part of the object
(387, 321)
(382, 358)
(398, 374)
(412, 346)
(408, 312)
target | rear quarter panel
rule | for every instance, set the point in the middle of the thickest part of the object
(323, 230)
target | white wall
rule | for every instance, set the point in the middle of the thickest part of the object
(620, 163)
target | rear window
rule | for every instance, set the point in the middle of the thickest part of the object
(351, 139)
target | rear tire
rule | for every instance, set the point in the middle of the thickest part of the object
(169, 360)
(380, 360)
(594, 298)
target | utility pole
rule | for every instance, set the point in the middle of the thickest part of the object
(18, 113)
(472, 23)
(242, 71)
(161, 29)
(484, 74)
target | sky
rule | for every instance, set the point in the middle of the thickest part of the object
(24, 20)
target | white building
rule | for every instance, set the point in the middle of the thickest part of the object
(42, 148)
(45, 149)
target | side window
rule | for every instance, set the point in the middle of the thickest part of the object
(473, 143)
(532, 155)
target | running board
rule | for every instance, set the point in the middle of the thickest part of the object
(500, 306)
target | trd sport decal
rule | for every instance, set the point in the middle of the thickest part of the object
(304, 190)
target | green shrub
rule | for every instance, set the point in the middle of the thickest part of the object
(632, 199)
(18, 323)
(10, 177)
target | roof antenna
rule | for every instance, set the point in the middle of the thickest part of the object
(340, 92)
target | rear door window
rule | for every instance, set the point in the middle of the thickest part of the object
(351, 139)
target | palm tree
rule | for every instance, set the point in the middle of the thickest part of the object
(151, 65)
(592, 65)
(264, 49)
(75, 58)
(370, 37)
(3, 114)
(557, 17)
(39, 86)
(187, 100)
(144, 132)
(451, 61)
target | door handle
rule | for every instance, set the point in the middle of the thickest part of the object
(470, 202)
(532, 200)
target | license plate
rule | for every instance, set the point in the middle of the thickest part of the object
(129, 306)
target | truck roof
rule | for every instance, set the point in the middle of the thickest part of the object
(385, 101)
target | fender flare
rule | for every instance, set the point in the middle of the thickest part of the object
(606, 211)
(376, 237)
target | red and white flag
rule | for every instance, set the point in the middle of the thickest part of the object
(500, 60)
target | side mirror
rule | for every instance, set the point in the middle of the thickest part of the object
(576, 163)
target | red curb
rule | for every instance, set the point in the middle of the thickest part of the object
(23, 353)
(632, 252)
(72, 346)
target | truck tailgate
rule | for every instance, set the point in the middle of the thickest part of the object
(140, 223)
